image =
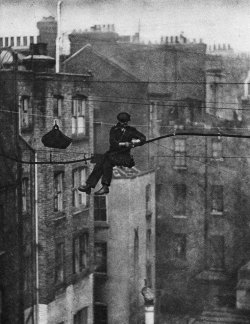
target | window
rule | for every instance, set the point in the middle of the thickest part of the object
(79, 178)
(25, 112)
(217, 199)
(18, 41)
(80, 253)
(1, 41)
(101, 257)
(79, 116)
(59, 273)
(6, 41)
(31, 39)
(58, 191)
(216, 149)
(100, 212)
(148, 198)
(149, 274)
(216, 246)
(179, 246)
(25, 194)
(180, 152)
(149, 253)
(57, 106)
(27, 272)
(100, 314)
(180, 199)
(12, 41)
(149, 244)
(81, 317)
(25, 41)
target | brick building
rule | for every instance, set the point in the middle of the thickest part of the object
(198, 230)
(125, 233)
(201, 183)
(54, 265)
(112, 97)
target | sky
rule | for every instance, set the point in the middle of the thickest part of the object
(213, 21)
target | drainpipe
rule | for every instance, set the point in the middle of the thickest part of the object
(58, 37)
(36, 242)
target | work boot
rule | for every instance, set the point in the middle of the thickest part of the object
(103, 191)
(86, 188)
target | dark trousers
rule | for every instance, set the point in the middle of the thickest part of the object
(103, 169)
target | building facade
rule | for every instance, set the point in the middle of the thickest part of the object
(125, 236)
(56, 227)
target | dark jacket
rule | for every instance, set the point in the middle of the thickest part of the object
(120, 155)
(120, 134)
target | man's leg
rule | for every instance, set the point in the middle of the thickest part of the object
(94, 177)
(106, 177)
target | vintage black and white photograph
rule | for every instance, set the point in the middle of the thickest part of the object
(124, 162)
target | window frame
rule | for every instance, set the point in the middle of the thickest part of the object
(58, 191)
(217, 153)
(81, 316)
(80, 252)
(79, 116)
(57, 108)
(100, 310)
(25, 190)
(25, 41)
(180, 198)
(217, 199)
(99, 210)
(79, 176)
(182, 242)
(180, 152)
(102, 265)
(217, 259)
(25, 112)
(59, 262)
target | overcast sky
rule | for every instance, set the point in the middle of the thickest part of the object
(215, 21)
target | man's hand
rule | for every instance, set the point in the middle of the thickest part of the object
(126, 144)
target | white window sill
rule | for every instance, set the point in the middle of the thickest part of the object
(180, 216)
(216, 213)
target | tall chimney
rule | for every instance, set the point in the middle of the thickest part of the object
(58, 38)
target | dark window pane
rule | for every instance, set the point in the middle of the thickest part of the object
(179, 246)
(101, 257)
(217, 245)
(100, 314)
(100, 213)
(180, 199)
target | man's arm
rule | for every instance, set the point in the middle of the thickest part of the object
(112, 140)
(140, 138)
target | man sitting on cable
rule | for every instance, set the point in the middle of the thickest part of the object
(121, 138)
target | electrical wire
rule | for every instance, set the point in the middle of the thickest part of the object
(148, 141)
(135, 81)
